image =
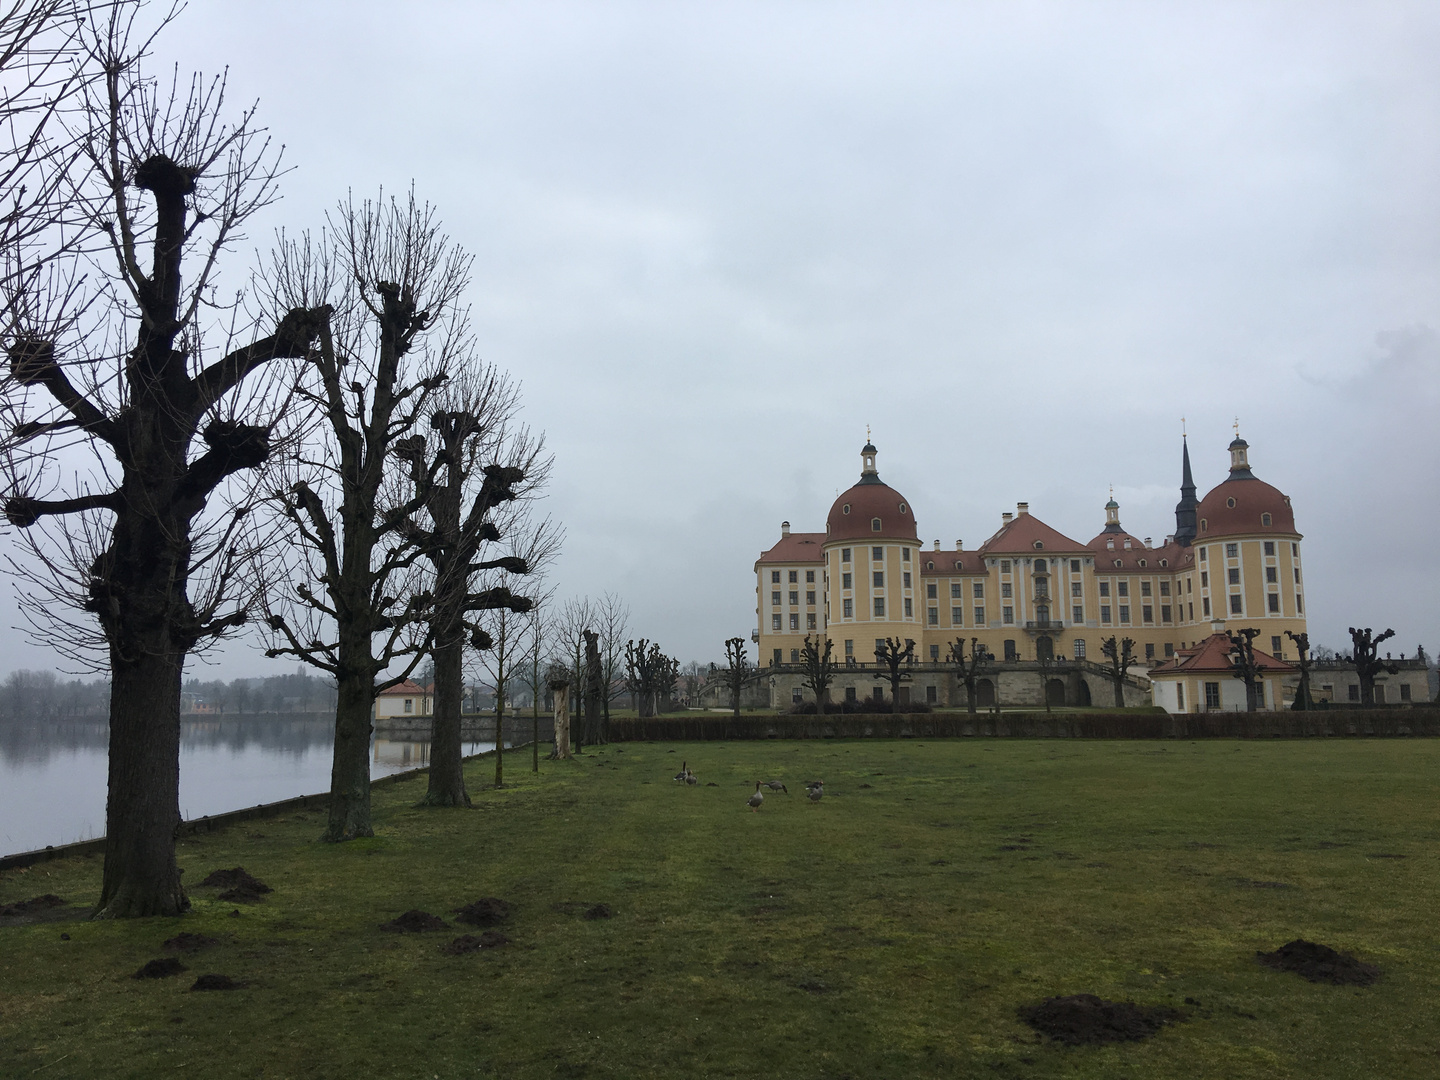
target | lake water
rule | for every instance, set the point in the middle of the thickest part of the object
(52, 776)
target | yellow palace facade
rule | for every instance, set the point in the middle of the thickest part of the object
(1029, 592)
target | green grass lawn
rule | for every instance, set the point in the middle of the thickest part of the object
(891, 931)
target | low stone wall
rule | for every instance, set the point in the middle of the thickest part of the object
(1084, 725)
(479, 728)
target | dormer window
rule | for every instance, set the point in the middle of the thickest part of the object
(929, 566)
(902, 508)
(874, 524)
(1264, 519)
(957, 564)
(1142, 562)
(845, 509)
(1119, 562)
(1230, 502)
(1164, 562)
(1039, 545)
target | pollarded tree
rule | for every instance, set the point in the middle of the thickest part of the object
(969, 670)
(571, 621)
(1243, 664)
(1365, 656)
(1303, 698)
(469, 475)
(1120, 654)
(737, 673)
(650, 675)
(819, 667)
(108, 358)
(896, 657)
(355, 606)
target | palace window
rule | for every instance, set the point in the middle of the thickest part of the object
(1144, 588)
(794, 596)
(1122, 588)
(934, 654)
(955, 593)
(1004, 566)
(1105, 613)
(978, 590)
(1010, 653)
(1147, 613)
(1297, 575)
(1232, 551)
(794, 577)
(879, 607)
(904, 554)
(1164, 612)
(1234, 575)
(878, 579)
(932, 591)
(1404, 691)
(1272, 574)
(794, 621)
(1299, 606)
(1264, 519)
(1104, 588)
(979, 616)
(905, 579)
(1236, 603)
(1269, 545)
(1203, 552)
(1149, 651)
(1042, 614)
(810, 622)
(1169, 649)
(1230, 502)
(1164, 588)
(909, 608)
(1042, 588)
(874, 524)
(809, 577)
(1077, 588)
(847, 581)
(850, 647)
(1077, 614)
(1079, 648)
(810, 597)
(775, 598)
(774, 622)
(847, 608)
(1205, 606)
(1074, 566)
(844, 554)
(794, 656)
(774, 577)
(1295, 551)
(1212, 695)
(1204, 579)
(934, 616)
(1006, 590)
(1007, 615)
(957, 615)
(1275, 647)
(877, 554)
(777, 657)
(1124, 613)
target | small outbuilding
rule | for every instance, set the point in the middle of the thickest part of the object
(1202, 679)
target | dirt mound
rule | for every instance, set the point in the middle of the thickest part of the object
(1086, 1020)
(487, 911)
(216, 982)
(188, 942)
(599, 911)
(415, 921)
(238, 878)
(162, 968)
(1319, 963)
(29, 907)
(490, 939)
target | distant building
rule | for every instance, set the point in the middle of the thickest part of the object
(1029, 595)
(1202, 679)
(404, 699)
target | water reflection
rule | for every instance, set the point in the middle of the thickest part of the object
(53, 774)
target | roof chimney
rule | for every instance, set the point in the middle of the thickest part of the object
(784, 528)
(1022, 508)
(1148, 543)
(937, 545)
(1006, 518)
(959, 545)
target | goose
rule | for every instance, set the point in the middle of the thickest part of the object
(817, 791)
(776, 785)
(755, 800)
(684, 771)
(690, 778)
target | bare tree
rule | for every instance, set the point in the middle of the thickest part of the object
(395, 284)
(819, 667)
(969, 671)
(737, 673)
(571, 622)
(650, 675)
(896, 657)
(108, 359)
(1243, 664)
(1303, 698)
(1120, 656)
(535, 637)
(612, 623)
(1365, 657)
(474, 455)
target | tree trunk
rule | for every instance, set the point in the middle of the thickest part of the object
(143, 806)
(971, 705)
(499, 734)
(447, 768)
(350, 769)
(562, 725)
(1119, 681)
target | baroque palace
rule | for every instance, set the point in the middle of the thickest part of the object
(1032, 596)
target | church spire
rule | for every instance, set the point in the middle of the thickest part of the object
(1188, 504)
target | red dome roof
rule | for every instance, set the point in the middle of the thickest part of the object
(853, 514)
(1238, 507)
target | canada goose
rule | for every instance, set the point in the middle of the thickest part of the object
(684, 771)
(691, 778)
(817, 791)
(755, 800)
(776, 785)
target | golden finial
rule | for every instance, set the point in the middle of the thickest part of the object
(1237, 427)
(1182, 427)
(867, 432)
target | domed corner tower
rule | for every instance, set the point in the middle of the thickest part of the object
(1248, 556)
(872, 565)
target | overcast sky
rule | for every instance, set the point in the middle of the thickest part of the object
(1019, 240)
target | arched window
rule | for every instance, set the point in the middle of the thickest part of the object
(1264, 519)
(1142, 562)
(1039, 545)
(1204, 525)
(845, 509)
(874, 524)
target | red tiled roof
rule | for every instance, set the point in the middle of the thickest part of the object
(1021, 535)
(795, 548)
(867, 502)
(1216, 518)
(407, 688)
(1212, 656)
(1172, 555)
(936, 563)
